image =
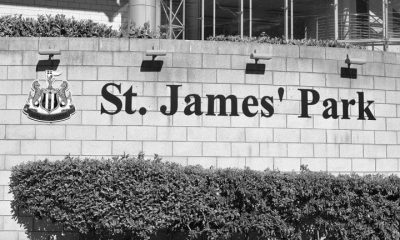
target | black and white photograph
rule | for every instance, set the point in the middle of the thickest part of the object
(199, 119)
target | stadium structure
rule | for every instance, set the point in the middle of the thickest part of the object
(373, 22)
(356, 21)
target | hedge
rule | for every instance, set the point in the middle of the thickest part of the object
(281, 41)
(134, 198)
(61, 26)
(52, 26)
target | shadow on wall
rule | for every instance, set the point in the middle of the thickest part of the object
(111, 8)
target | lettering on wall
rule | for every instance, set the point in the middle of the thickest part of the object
(230, 105)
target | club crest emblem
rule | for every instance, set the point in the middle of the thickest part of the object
(49, 104)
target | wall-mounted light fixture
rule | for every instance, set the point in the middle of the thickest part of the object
(153, 65)
(257, 56)
(50, 63)
(354, 61)
(255, 68)
(156, 53)
(50, 52)
(351, 72)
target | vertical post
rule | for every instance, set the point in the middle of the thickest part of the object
(130, 14)
(286, 20)
(316, 29)
(369, 28)
(241, 18)
(184, 20)
(251, 18)
(158, 14)
(385, 18)
(214, 11)
(202, 19)
(291, 20)
(170, 19)
(336, 5)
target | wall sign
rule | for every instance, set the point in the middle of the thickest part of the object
(49, 104)
(251, 106)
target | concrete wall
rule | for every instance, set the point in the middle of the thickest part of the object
(282, 141)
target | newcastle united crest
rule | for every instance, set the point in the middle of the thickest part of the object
(50, 103)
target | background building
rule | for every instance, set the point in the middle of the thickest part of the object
(360, 21)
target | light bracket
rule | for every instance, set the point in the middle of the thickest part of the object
(257, 56)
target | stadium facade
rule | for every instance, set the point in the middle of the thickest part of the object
(323, 115)
(364, 21)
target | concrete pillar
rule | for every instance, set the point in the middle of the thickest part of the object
(142, 11)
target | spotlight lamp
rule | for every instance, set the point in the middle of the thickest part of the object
(50, 52)
(155, 53)
(354, 61)
(258, 56)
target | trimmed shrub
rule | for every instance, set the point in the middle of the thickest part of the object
(52, 26)
(281, 41)
(133, 198)
(61, 26)
(142, 32)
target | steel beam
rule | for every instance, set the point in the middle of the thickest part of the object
(291, 20)
(251, 18)
(241, 18)
(214, 16)
(286, 20)
(170, 19)
(202, 20)
(184, 20)
(385, 24)
(336, 6)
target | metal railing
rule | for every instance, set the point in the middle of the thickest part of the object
(325, 28)
(394, 25)
(360, 26)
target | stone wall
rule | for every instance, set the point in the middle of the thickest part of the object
(283, 141)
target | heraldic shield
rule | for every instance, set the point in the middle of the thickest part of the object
(49, 104)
